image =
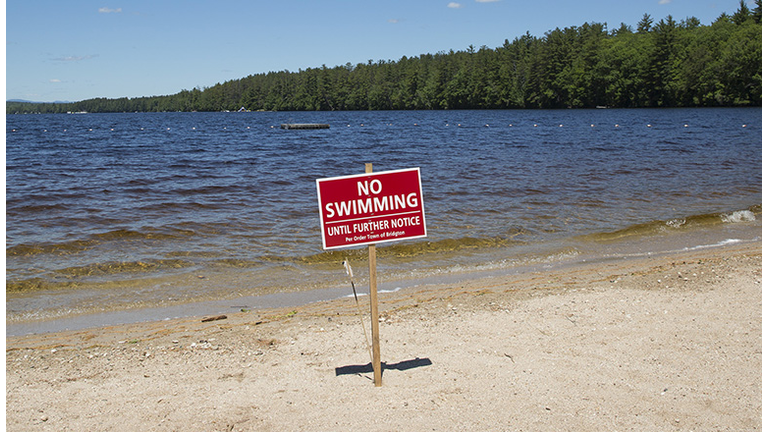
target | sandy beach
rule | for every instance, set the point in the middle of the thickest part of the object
(661, 343)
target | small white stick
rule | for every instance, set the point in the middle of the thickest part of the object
(348, 268)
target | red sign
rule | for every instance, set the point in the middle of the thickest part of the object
(371, 208)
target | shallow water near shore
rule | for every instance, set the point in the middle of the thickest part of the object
(533, 263)
(116, 214)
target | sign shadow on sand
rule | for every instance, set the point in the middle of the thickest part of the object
(368, 368)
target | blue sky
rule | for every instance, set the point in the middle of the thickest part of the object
(80, 49)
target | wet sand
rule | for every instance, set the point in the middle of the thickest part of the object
(656, 343)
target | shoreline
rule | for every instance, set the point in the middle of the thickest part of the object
(663, 342)
(531, 258)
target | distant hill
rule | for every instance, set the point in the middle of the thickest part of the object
(35, 102)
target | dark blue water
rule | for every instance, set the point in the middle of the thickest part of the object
(139, 209)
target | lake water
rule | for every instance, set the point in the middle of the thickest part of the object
(108, 213)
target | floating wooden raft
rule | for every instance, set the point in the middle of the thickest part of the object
(305, 126)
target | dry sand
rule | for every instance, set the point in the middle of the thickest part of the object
(648, 344)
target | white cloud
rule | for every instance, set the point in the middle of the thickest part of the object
(663, 2)
(75, 58)
(55, 80)
(393, 21)
(108, 10)
(454, 5)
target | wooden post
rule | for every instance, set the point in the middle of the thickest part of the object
(374, 306)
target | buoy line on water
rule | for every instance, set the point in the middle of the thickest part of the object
(464, 125)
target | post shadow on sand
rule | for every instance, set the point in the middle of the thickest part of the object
(367, 368)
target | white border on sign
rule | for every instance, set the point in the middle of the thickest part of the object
(320, 207)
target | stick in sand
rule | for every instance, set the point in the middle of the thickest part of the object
(348, 268)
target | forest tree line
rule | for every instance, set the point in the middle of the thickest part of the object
(667, 63)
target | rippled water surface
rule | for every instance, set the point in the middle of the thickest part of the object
(110, 211)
